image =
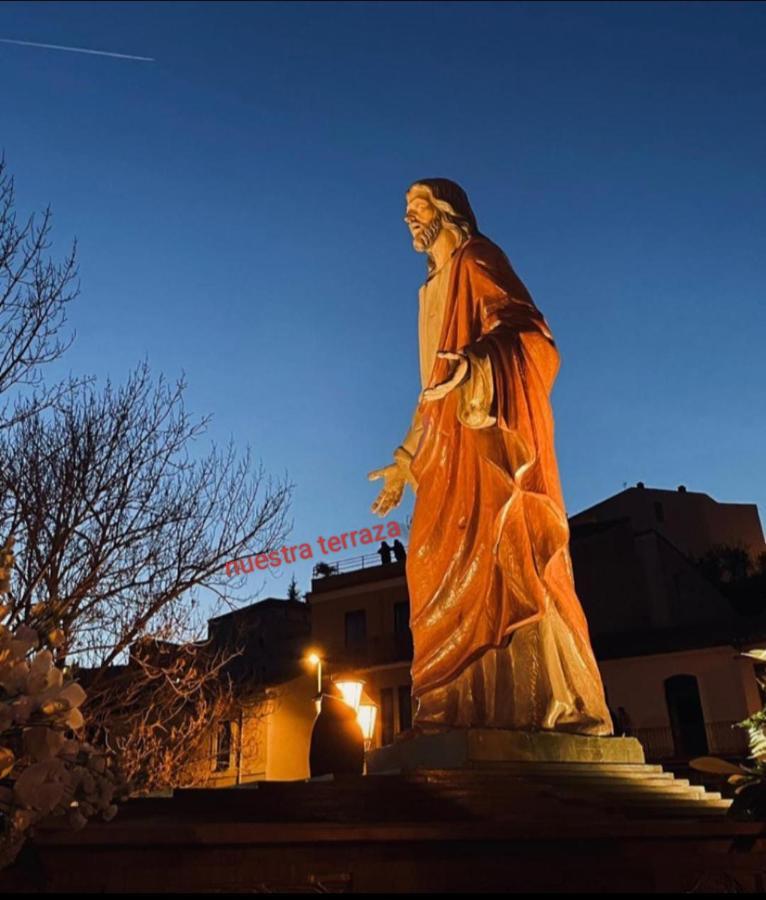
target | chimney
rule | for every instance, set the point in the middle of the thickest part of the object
(641, 485)
(681, 488)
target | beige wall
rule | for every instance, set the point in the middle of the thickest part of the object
(289, 731)
(727, 685)
(270, 739)
(328, 616)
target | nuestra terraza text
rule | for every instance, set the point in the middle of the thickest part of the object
(348, 540)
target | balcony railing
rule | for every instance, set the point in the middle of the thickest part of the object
(350, 564)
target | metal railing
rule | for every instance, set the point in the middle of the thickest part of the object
(350, 564)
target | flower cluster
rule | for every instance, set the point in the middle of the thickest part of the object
(47, 774)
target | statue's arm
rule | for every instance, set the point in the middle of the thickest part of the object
(514, 346)
(476, 393)
(491, 284)
(405, 452)
(397, 475)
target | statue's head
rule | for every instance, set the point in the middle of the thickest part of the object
(434, 204)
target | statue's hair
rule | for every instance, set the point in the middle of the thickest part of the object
(454, 209)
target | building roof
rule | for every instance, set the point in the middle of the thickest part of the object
(262, 605)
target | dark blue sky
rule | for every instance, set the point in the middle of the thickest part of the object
(238, 205)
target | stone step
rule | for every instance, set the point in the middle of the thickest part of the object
(633, 798)
(655, 797)
(517, 777)
(584, 801)
(479, 766)
(634, 793)
(506, 792)
(530, 768)
(680, 803)
(581, 789)
(642, 791)
(674, 812)
(517, 783)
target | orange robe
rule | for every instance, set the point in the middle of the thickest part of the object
(488, 549)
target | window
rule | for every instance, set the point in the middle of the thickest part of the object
(405, 708)
(687, 721)
(659, 512)
(402, 617)
(402, 633)
(387, 715)
(356, 628)
(222, 760)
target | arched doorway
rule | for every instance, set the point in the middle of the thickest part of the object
(687, 720)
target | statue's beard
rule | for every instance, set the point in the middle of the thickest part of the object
(425, 238)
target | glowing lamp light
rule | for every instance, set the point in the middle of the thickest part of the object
(351, 691)
(366, 716)
(316, 660)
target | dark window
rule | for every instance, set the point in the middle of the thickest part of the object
(222, 747)
(405, 708)
(387, 715)
(356, 628)
(402, 617)
(659, 512)
(687, 721)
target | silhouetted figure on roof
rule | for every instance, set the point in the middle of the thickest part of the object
(337, 742)
(385, 553)
(399, 552)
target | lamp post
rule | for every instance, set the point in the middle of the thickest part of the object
(316, 660)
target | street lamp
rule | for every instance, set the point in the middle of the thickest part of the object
(366, 711)
(366, 716)
(351, 689)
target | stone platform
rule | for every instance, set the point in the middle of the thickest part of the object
(509, 827)
(473, 811)
(461, 748)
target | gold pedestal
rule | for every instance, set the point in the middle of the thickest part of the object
(462, 748)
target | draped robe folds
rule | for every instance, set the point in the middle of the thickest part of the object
(488, 551)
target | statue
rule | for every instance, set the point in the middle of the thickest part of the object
(500, 638)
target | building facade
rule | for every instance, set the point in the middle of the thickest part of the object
(360, 624)
(266, 733)
(668, 639)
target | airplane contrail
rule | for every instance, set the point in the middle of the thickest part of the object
(78, 50)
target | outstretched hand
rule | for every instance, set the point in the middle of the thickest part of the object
(390, 496)
(456, 378)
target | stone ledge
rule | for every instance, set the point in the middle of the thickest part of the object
(460, 748)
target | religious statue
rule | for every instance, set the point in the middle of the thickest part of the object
(500, 638)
